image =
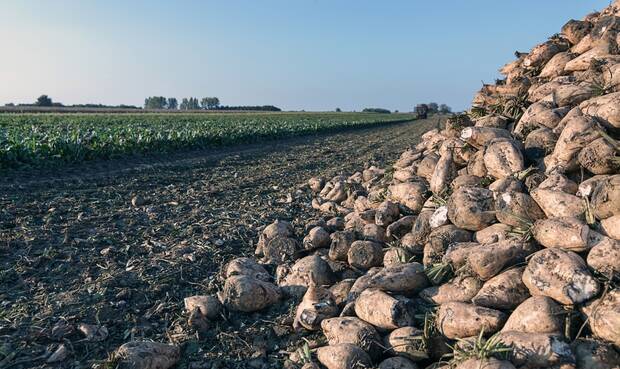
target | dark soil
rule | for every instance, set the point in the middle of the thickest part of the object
(74, 250)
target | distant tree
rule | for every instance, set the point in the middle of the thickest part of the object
(172, 103)
(155, 102)
(210, 103)
(43, 100)
(395, 111)
(215, 103)
(433, 108)
(338, 110)
(190, 104)
(9, 104)
(444, 109)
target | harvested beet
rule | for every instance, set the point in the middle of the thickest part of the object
(412, 195)
(471, 208)
(340, 243)
(209, 305)
(594, 354)
(317, 238)
(460, 320)
(352, 330)
(604, 316)
(343, 356)
(561, 275)
(396, 256)
(460, 289)
(489, 363)
(365, 254)
(397, 362)
(606, 197)
(317, 305)
(537, 350)
(277, 229)
(408, 342)
(487, 261)
(246, 266)
(504, 291)
(384, 311)
(502, 158)
(516, 209)
(147, 355)
(386, 213)
(405, 279)
(537, 314)
(247, 294)
(310, 270)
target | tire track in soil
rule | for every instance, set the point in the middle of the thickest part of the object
(73, 248)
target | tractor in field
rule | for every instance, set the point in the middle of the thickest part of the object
(421, 111)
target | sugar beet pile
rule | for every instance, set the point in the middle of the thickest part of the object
(493, 243)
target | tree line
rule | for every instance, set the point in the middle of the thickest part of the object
(188, 103)
(46, 101)
(192, 103)
(156, 103)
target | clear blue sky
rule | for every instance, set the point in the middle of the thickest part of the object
(296, 54)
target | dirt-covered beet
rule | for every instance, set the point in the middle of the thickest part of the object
(460, 320)
(244, 293)
(561, 275)
(504, 291)
(352, 330)
(471, 208)
(384, 311)
(537, 314)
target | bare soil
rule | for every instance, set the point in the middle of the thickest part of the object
(74, 250)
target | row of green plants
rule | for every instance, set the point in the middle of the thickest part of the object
(54, 139)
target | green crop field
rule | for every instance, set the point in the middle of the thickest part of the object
(54, 139)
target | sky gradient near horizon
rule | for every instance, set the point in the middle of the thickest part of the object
(302, 54)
